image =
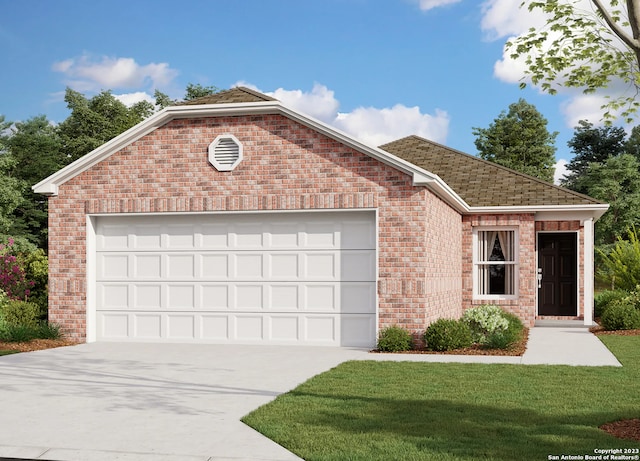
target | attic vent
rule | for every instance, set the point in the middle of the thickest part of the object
(225, 152)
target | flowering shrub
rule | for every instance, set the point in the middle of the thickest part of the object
(13, 279)
(484, 321)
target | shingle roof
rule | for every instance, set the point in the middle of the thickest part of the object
(233, 95)
(479, 182)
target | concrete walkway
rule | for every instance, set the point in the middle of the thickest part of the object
(181, 402)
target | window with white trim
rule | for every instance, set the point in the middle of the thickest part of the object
(495, 263)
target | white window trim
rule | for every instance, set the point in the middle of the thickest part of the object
(475, 263)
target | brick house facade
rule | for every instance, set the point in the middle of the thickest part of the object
(291, 169)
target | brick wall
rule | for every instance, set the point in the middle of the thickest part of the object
(286, 167)
(525, 305)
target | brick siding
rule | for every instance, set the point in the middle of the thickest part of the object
(286, 167)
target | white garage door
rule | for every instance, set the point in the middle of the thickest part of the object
(277, 278)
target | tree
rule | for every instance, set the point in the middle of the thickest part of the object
(519, 139)
(193, 91)
(35, 148)
(592, 145)
(617, 182)
(97, 120)
(584, 49)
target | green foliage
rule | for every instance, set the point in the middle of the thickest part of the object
(22, 333)
(519, 140)
(36, 148)
(589, 145)
(603, 299)
(11, 194)
(195, 91)
(620, 268)
(578, 49)
(16, 312)
(621, 315)
(394, 339)
(97, 120)
(502, 339)
(616, 182)
(484, 320)
(447, 334)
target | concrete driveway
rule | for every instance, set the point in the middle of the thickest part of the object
(114, 401)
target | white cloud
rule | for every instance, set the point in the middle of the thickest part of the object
(426, 5)
(379, 126)
(561, 170)
(86, 73)
(320, 103)
(505, 18)
(370, 125)
(129, 99)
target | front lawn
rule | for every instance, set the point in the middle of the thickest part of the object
(430, 411)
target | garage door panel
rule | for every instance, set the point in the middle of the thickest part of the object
(215, 297)
(257, 278)
(215, 328)
(147, 296)
(113, 296)
(357, 330)
(249, 327)
(215, 265)
(181, 327)
(357, 298)
(148, 326)
(358, 265)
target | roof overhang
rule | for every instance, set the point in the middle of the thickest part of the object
(549, 212)
(421, 177)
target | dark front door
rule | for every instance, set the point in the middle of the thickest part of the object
(557, 263)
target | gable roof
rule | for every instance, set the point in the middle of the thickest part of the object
(468, 184)
(481, 183)
(232, 95)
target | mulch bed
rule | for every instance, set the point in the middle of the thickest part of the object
(623, 429)
(35, 345)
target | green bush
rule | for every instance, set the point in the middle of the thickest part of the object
(603, 299)
(394, 339)
(448, 334)
(502, 339)
(22, 333)
(620, 267)
(621, 315)
(484, 321)
(24, 313)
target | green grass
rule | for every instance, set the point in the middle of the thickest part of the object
(429, 411)
(7, 352)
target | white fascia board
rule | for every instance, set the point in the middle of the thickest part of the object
(549, 212)
(421, 177)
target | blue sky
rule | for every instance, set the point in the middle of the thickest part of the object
(378, 69)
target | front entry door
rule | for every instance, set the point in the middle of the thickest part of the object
(557, 264)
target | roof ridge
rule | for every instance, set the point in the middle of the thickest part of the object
(253, 92)
(495, 165)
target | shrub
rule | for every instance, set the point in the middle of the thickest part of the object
(23, 333)
(484, 321)
(13, 279)
(448, 334)
(603, 299)
(24, 313)
(621, 315)
(502, 339)
(394, 339)
(620, 267)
